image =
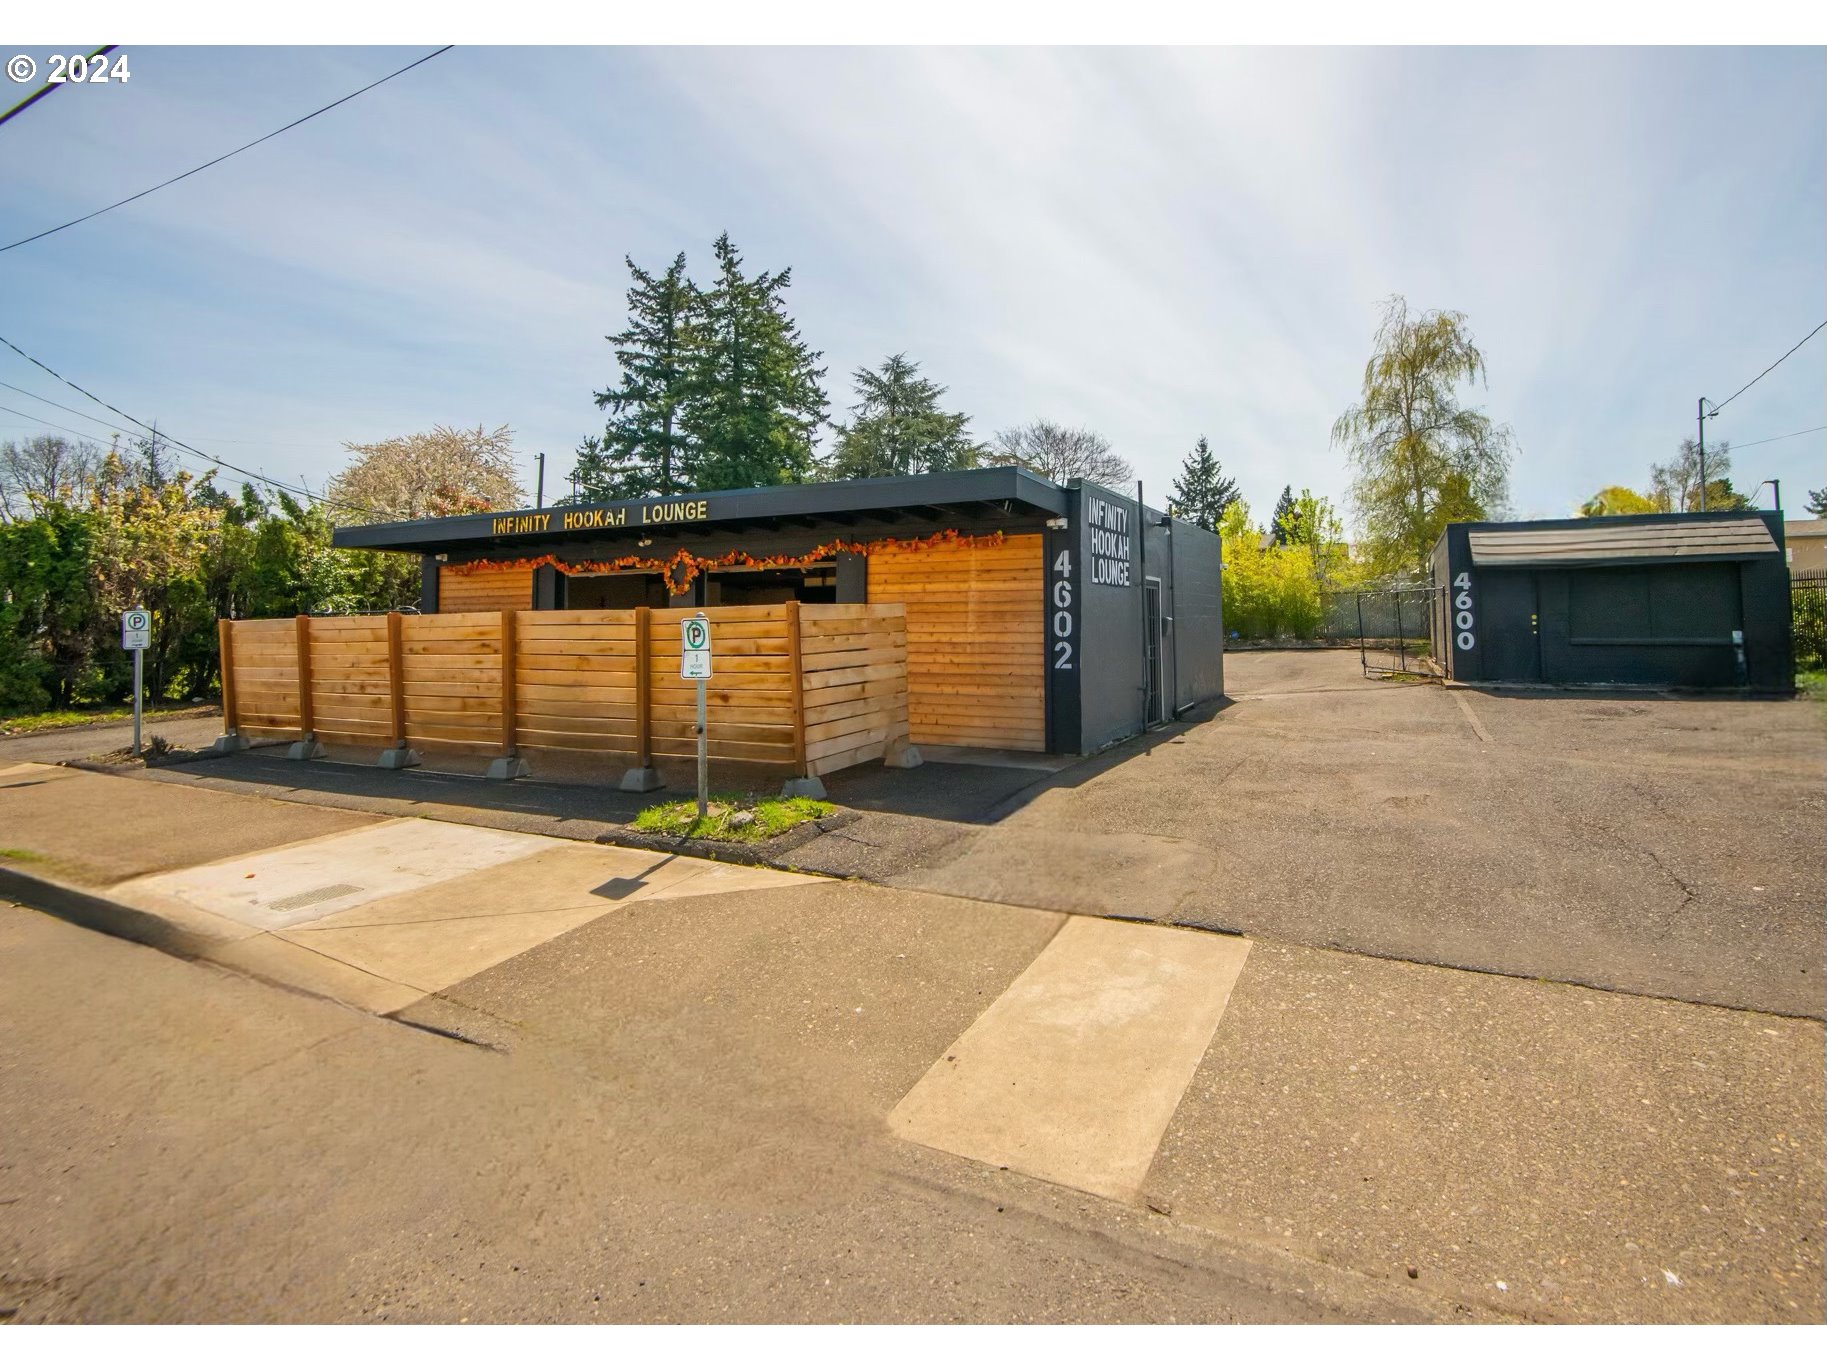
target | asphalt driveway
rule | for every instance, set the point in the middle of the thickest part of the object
(1661, 845)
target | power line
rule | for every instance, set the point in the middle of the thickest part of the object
(1761, 374)
(179, 458)
(148, 431)
(1740, 446)
(76, 432)
(174, 442)
(49, 86)
(34, 395)
(225, 156)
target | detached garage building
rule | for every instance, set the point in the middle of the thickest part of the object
(1690, 600)
(1040, 617)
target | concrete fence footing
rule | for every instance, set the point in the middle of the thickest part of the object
(640, 780)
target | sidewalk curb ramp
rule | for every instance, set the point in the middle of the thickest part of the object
(99, 913)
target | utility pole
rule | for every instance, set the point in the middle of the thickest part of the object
(1702, 415)
(539, 497)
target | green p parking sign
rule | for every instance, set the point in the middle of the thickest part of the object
(695, 649)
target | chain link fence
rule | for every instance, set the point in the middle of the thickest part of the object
(1807, 612)
(1395, 627)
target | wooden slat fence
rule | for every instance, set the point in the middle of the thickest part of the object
(801, 688)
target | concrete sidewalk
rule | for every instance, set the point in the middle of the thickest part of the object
(374, 912)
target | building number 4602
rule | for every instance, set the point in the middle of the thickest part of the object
(1462, 611)
(1062, 612)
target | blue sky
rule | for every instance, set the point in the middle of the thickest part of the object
(1155, 243)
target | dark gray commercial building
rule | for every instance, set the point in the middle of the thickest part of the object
(1040, 617)
(1689, 600)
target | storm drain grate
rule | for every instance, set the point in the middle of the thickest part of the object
(293, 902)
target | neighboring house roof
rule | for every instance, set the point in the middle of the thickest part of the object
(1602, 541)
(1804, 528)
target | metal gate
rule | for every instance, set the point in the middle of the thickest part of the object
(1402, 630)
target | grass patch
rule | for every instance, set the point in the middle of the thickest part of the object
(19, 854)
(1811, 684)
(731, 817)
(20, 724)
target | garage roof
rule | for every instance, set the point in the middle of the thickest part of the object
(1604, 543)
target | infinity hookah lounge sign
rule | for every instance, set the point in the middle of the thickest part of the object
(645, 514)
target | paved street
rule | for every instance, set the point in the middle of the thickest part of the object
(76, 744)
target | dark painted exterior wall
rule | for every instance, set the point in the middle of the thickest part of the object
(1107, 567)
(1096, 640)
(1632, 623)
(1197, 606)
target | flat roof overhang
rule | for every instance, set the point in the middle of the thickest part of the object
(930, 500)
(1603, 542)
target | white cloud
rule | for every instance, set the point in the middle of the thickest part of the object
(1158, 243)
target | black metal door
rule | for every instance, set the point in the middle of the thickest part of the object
(1510, 614)
(1151, 652)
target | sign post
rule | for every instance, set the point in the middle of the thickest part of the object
(136, 637)
(695, 664)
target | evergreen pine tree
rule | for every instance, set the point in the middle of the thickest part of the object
(644, 449)
(1284, 524)
(1202, 492)
(897, 427)
(753, 402)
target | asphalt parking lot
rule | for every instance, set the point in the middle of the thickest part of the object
(1663, 845)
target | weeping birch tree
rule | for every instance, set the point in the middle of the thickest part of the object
(1421, 459)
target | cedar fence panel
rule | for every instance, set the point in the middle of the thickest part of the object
(450, 672)
(804, 688)
(266, 678)
(854, 668)
(350, 683)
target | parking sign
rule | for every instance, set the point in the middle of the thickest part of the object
(694, 649)
(136, 630)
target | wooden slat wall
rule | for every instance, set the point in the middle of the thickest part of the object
(349, 680)
(750, 700)
(574, 682)
(266, 677)
(575, 688)
(462, 591)
(853, 660)
(452, 677)
(976, 647)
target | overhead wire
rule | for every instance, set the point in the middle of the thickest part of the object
(1740, 446)
(151, 430)
(216, 161)
(1713, 410)
(74, 432)
(50, 86)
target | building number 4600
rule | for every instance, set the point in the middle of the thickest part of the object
(1462, 607)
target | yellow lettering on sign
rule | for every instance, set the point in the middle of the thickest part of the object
(520, 523)
(676, 511)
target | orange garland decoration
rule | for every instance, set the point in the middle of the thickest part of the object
(683, 567)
